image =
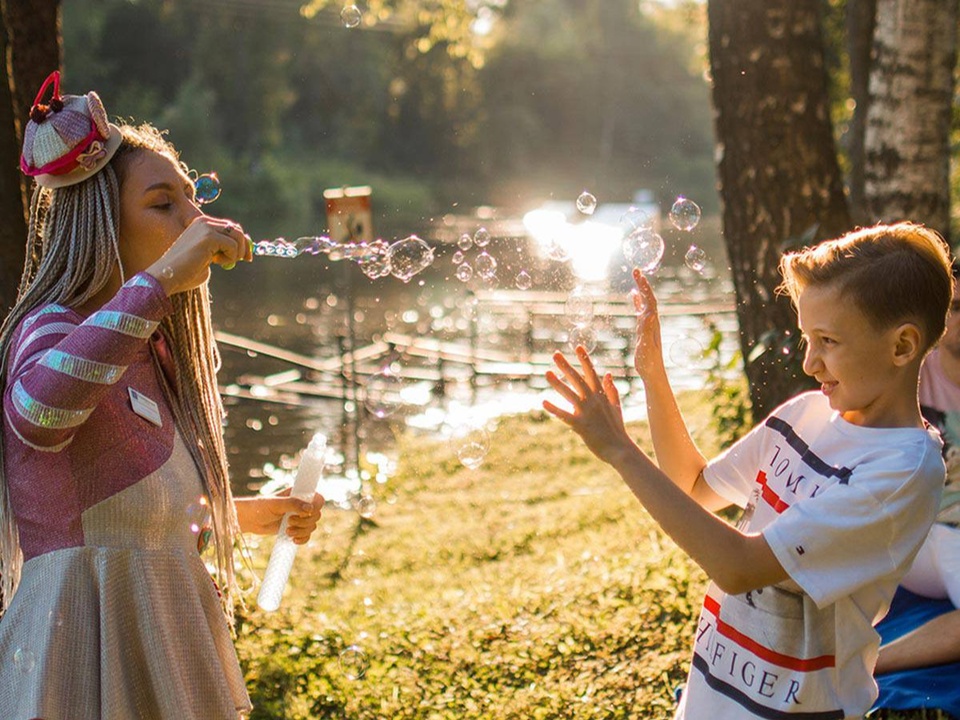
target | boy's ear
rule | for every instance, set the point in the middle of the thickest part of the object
(908, 344)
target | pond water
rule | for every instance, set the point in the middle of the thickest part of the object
(305, 305)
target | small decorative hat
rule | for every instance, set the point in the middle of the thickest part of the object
(68, 140)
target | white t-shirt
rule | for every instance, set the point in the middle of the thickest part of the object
(844, 508)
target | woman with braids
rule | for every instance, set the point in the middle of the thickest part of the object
(112, 437)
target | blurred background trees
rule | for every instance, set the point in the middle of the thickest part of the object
(825, 113)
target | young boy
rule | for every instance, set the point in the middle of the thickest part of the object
(839, 486)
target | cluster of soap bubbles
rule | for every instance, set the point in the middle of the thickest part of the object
(484, 264)
(685, 216)
(643, 246)
(403, 259)
(579, 310)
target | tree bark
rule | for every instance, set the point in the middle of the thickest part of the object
(861, 20)
(13, 229)
(907, 140)
(780, 183)
(32, 50)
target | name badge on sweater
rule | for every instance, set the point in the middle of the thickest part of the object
(145, 407)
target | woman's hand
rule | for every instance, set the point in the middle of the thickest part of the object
(262, 514)
(186, 264)
(596, 417)
(648, 352)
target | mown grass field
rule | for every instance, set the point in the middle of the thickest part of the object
(532, 587)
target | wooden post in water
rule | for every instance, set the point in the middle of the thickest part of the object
(474, 339)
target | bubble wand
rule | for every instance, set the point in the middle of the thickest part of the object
(402, 259)
(285, 549)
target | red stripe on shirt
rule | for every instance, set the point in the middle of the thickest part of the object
(772, 656)
(770, 495)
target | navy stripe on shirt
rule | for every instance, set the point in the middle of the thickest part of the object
(806, 454)
(739, 697)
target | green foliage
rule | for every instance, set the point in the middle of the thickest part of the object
(729, 398)
(471, 103)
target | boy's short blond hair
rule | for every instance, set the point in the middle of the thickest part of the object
(893, 273)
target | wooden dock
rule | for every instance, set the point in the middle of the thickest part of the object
(470, 359)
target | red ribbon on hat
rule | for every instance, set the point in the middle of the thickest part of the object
(69, 161)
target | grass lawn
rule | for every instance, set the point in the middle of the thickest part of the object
(532, 587)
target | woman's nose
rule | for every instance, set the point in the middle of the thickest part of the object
(191, 213)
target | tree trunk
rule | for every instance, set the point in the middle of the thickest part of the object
(861, 20)
(32, 50)
(780, 183)
(13, 229)
(907, 141)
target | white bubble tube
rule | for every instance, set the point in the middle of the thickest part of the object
(285, 549)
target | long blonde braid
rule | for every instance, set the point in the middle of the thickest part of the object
(198, 410)
(72, 252)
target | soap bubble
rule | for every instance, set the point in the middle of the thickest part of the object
(351, 16)
(308, 245)
(284, 249)
(207, 188)
(586, 203)
(582, 335)
(366, 507)
(486, 266)
(523, 281)
(643, 248)
(473, 444)
(167, 272)
(688, 352)
(635, 219)
(579, 307)
(381, 393)
(695, 259)
(354, 662)
(465, 242)
(198, 515)
(24, 661)
(376, 263)
(408, 257)
(556, 250)
(640, 306)
(481, 237)
(464, 272)
(264, 247)
(458, 257)
(684, 214)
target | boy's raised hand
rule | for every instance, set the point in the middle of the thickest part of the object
(648, 352)
(596, 416)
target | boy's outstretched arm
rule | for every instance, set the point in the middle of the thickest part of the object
(734, 561)
(676, 453)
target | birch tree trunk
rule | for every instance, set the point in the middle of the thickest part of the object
(907, 139)
(780, 183)
(861, 21)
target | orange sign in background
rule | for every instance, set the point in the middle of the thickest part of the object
(348, 214)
